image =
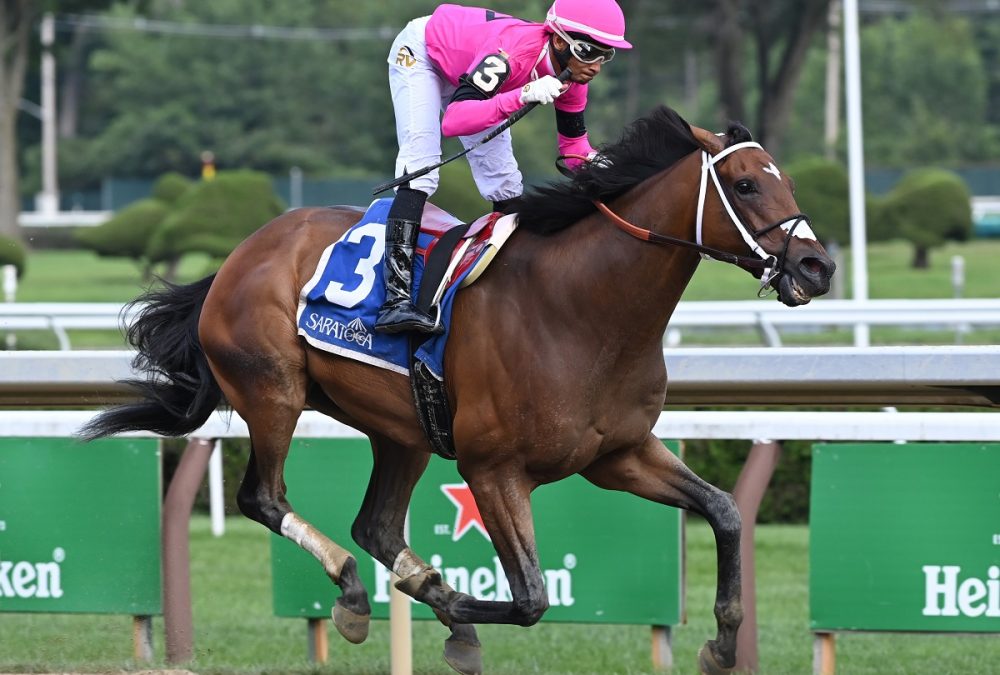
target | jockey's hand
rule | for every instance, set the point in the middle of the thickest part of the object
(544, 90)
(597, 159)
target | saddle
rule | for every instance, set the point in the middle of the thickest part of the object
(451, 248)
(455, 247)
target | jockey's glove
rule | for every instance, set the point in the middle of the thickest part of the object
(597, 159)
(544, 90)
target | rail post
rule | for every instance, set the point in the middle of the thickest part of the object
(178, 622)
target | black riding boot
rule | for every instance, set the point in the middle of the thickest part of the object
(398, 314)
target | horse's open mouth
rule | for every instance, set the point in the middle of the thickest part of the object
(791, 292)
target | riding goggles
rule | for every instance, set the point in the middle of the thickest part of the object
(584, 51)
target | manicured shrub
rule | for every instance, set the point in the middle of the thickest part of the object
(12, 253)
(214, 216)
(822, 193)
(927, 208)
(128, 233)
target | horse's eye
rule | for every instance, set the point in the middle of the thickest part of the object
(745, 187)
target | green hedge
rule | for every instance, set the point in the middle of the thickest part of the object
(822, 193)
(214, 216)
(128, 232)
(12, 253)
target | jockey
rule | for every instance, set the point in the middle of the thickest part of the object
(479, 67)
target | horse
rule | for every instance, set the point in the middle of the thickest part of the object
(554, 365)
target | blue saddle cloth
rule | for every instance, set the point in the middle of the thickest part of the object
(338, 306)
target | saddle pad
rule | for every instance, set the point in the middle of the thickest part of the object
(339, 304)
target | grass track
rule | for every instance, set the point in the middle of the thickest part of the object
(236, 633)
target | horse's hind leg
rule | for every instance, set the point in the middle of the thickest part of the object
(379, 529)
(270, 398)
(259, 501)
(652, 472)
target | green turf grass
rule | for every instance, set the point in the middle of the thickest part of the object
(235, 632)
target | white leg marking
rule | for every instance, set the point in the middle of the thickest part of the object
(315, 542)
(407, 564)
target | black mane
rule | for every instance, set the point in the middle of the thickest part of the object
(647, 146)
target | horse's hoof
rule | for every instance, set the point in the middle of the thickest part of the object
(465, 657)
(708, 664)
(354, 627)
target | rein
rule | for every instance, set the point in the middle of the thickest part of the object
(745, 262)
(770, 266)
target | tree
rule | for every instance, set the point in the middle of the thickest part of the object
(157, 101)
(17, 18)
(775, 37)
(925, 91)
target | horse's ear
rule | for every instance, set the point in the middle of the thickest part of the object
(708, 141)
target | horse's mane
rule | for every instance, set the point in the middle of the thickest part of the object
(646, 147)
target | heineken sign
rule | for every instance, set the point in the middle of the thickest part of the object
(80, 526)
(905, 537)
(606, 557)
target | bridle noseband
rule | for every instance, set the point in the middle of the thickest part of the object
(771, 267)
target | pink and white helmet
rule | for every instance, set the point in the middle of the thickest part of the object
(601, 20)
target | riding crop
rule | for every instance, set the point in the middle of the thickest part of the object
(406, 178)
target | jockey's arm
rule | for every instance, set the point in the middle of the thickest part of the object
(573, 139)
(471, 111)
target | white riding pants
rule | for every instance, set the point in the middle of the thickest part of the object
(419, 95)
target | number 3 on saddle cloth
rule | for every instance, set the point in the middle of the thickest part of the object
(338, 305)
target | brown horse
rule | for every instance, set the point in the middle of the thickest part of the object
(554, 366)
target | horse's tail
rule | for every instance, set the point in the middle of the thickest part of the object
(179, 391)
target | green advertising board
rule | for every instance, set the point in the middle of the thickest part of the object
(607, 557)
(80, 526)
(905, 537)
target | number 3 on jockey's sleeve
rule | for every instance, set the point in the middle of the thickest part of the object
(489, 75)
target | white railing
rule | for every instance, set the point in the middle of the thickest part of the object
(884, 376)
(63, 218)
(747, 425)
(767, 316)
(60, 317)
(823, 376)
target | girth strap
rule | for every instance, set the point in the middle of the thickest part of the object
(431, 400)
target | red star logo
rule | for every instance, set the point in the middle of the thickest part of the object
(468, 513)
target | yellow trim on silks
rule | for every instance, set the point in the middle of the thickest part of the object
(502, 230)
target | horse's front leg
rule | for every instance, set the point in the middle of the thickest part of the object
(503, 500)
(503, 495)
(379, 529)
(653, 472)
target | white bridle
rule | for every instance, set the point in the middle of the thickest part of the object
(708, 163)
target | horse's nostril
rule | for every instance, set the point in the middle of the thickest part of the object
(816, 267)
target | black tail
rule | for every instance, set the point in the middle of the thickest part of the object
(179, 392)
